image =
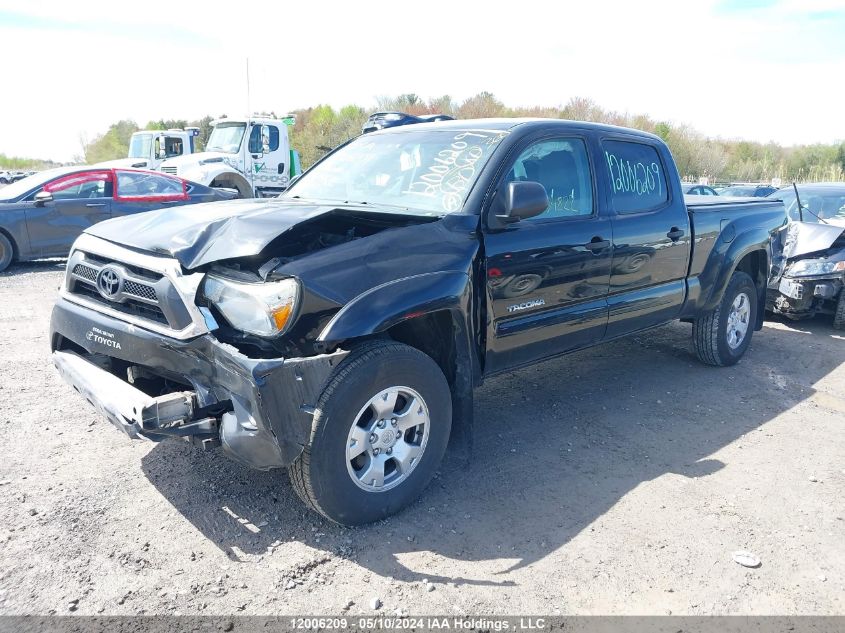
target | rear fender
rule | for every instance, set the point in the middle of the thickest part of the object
(723, 262)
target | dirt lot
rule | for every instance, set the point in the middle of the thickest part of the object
(617, 480)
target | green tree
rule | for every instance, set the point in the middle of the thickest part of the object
(663, 130)
(19, 162)
(481, 106)
(442, 105)
(320, 128)
(167, 124)
(113, 144)
(204, 124)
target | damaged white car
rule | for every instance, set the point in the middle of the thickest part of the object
(812, 270)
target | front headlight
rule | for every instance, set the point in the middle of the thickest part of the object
(813, 267)
(265, 309)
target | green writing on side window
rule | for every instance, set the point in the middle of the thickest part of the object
(633, 177)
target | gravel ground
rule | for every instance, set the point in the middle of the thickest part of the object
(619, 480)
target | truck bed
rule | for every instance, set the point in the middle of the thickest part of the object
(712, 217)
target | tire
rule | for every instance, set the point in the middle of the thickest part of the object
(715, 334)
(7, 252)
(339, 487)
(839, 314)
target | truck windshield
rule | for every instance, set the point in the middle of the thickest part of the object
(226, 138)
(141, 146)
(419, 171)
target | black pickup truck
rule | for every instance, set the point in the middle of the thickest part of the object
(340, 329)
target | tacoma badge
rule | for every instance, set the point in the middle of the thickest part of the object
(534, 303)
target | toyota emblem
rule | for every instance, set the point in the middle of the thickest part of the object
(109, 282)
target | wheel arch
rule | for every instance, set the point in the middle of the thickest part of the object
(234, 179)
(748, 256)
(429, 312)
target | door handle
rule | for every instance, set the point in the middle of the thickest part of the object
(597, 244)
(675, 234)
(95, 204)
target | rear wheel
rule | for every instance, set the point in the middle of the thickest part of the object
(379, 433)
(722, 335)
(839, 315)
(7, 252)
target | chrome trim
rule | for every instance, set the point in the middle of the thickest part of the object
(186, 285)
(126, 276)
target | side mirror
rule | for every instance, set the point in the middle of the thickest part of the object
(523, 200)
(42, 198)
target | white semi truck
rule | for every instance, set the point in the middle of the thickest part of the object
(148, 149)
(251, 155)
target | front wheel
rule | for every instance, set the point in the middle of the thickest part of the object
(379, 433)
(722, 335)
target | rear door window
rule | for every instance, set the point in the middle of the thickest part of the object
(636, 176)
(142, 185)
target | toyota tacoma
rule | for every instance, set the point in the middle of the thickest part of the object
(339, 329)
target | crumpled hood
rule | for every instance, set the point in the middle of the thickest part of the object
(204, 233)
(810, 237)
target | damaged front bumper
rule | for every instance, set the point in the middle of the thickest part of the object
(259, 410)
(803, 297)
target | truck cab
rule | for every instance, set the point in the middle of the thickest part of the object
(149, 148)
(251, 155)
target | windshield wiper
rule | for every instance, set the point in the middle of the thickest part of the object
(384, 204)
(363, 203)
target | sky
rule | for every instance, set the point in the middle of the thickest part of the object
(762, 70)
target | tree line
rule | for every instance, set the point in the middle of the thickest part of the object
(22, 163)
(322, 127)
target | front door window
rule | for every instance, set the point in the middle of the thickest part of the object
(563, 168)
(79, 186)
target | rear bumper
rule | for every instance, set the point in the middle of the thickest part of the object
(260, 410)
